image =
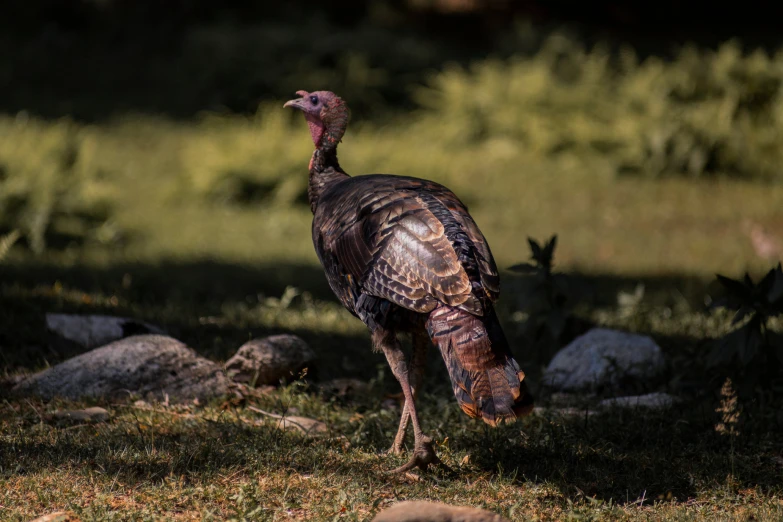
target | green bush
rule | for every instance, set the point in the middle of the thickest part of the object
(706, 113)
(703, 114)
(753, 352)
(6, 242)
(247, 160)
(48, 184)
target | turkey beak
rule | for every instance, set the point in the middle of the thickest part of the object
(299, 102)
(296, 104)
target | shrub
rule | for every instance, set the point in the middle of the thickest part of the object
(548, 301)
(48, 184)
(753, 351)
(706, 113)
(6, 242)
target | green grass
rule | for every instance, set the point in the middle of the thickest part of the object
(202, 227)
(212, 272)
(223, 463)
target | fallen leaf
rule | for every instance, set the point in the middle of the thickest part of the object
(59, 516)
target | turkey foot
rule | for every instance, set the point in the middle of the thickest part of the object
(423, 453)
(423, 456)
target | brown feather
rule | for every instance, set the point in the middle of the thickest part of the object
(487, 381)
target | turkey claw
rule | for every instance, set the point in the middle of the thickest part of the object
(423, 456)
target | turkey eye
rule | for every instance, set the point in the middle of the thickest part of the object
(314, 100)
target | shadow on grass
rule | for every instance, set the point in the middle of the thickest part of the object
(216, 306)
(619, 456)
(197, 451)
(624, 456)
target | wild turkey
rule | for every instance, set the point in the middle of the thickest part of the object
(403, 255)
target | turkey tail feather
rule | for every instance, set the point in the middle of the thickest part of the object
(486, 379)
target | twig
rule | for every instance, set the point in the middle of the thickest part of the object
(262, 412)
(281, 417)
(40, 416)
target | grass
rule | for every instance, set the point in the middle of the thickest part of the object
(215, 273)
(221, 463)
(202, 228)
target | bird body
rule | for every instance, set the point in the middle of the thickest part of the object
(404, 255)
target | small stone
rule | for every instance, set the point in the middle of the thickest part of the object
(603, 357)
(565, 412)
(149, 366)
(90, 331)
(270, 360)
(422, 511)
(650, 400)
(87, 415)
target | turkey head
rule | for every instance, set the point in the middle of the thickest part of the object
(327, 116)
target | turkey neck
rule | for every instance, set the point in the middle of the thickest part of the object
(325, 171)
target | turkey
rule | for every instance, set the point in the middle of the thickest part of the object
(404, 256)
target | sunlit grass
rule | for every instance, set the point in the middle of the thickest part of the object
(203, 228)
(181, 463)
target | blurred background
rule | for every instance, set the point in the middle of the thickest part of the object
(148, 169)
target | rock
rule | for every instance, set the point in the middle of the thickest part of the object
(421, 511)
(151, 366)
(270, 360)
(59, 516)
(91, 331)
(87, 415)
(603, 357)
(651, 400)
(568, 412)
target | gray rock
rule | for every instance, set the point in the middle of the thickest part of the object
(268, 360)
(151, 366)
(650, 400)
(91, 331)
(421, 511)
(566, 412)
(603, 357)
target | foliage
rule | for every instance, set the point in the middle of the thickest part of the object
(48, 184)
(239, 161)
(546, 301)
(562, 112)
(704, 114)
(753, 350)
(6, 242)
(193, 61)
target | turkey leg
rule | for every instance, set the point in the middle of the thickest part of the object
(423, 453)
(420, 343)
